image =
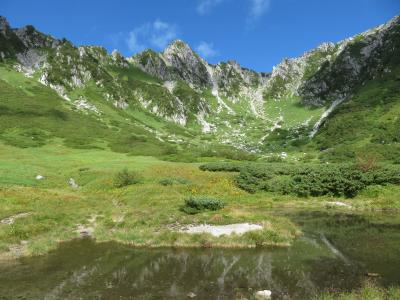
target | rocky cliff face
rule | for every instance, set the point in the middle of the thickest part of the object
(177, 62)
(179, 86)
(185, 62)
(356, 61)
(9, 42)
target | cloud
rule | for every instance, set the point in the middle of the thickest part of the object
(162, 34)
(206, 49)
(156, 34)
(205, 6)
(258, 8)
(133, 41)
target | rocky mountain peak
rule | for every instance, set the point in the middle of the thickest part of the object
(186, 63)
(32, 38)
(116, 54)
(358, 60)
(177, 44)
(178, 49)
(4, 25)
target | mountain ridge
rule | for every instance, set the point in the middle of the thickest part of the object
(237, 106)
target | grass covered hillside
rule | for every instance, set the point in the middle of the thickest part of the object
(32, 115)
(367, 124)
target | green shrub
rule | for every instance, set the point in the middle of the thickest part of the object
(221, 167)
(171, 181)
(227, 152)
(194, 205)
(166, 181)
(274, 158)
(125, 178)
(306, 180)
(258, 176)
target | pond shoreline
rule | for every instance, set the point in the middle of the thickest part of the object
(331, 253)
(19, 250)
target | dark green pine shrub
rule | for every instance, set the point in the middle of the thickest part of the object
(125, 178)
(194, 205)
(174, 180)
(221, 167)
(304, 180)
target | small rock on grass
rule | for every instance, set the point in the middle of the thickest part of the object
(72, 183)
(265, 294)
(337, 204)
(10, 220)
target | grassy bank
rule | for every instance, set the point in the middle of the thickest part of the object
(146, 212)
(369, 291)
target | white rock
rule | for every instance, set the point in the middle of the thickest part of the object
(39, 177)
(265, 294)
(337, 203)
(10, 220)
(218, 230)
(82, 104)
(170, 85)
(72, 183)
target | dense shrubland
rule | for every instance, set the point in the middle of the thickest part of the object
(304, 180)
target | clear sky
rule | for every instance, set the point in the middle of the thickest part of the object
(256, 33)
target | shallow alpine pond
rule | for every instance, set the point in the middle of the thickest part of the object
(337, 252)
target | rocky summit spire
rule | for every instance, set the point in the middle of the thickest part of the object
(4, 25)
(177, 44)
(187, 63)
(178, 49)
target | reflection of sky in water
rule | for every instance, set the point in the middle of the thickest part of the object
(318, 260)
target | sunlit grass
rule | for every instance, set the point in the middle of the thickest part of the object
(369, 291)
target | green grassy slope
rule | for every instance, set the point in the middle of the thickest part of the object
(32, 114)
(367, 124)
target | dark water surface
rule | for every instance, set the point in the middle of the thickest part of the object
(335, 253)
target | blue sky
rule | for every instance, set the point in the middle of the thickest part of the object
(256, 33)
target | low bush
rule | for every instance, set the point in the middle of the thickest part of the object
(172, 181)
(305, 180)
(194, 205)
(274, 158)
(125, 178)
(222, 167)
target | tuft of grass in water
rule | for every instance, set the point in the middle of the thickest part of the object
(266, 237)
